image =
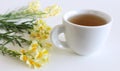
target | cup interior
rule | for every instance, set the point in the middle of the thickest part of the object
(103, 15)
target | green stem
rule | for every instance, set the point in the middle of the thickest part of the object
(6, 51)
(7, 38)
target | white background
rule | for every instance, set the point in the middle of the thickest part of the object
(107, 59)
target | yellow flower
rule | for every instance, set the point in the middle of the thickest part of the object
(22, 51)
(33, 49)
(23, 58)
(41, 54)
(34, 46)
(38, 35)
(33, 64)
(37, 57)
(45, 36)
(45, 52)
(41, 30)
(53, 10)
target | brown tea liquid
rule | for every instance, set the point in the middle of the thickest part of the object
(87, 20)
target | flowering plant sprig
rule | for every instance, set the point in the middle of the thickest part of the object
(38, 44)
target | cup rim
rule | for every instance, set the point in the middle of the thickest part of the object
(65, 17)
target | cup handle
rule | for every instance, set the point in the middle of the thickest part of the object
(57, 30)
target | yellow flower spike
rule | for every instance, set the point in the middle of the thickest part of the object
(36, 56)
(23, 58)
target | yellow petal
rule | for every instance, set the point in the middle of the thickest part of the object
(37, 65)
(45, 36)
(22, 51)
(30, 62)
(38, 35)
(35, 45)
(39, 55)
(41, 28)
(33, 49)
(23, 58)
(45, 51)
(48, 28)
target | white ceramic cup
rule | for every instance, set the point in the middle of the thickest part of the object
(83, 40)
